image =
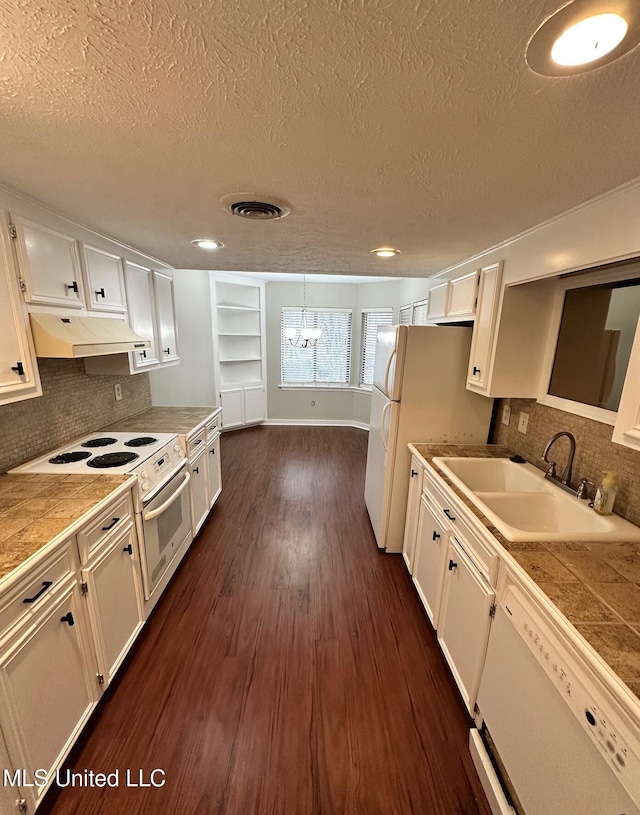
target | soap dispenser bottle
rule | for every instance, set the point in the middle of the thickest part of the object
(606, 493)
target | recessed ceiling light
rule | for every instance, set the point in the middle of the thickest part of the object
(385, 252)
(207, 243)
(584, 35)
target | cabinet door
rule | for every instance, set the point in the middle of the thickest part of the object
(105, 281)
(18, 372)
(464, 620)
(214, 472)
(428, 574)
(413, 508)
(47, 684)
(198, 490)
(49, 264)
(254, 404)
(140, 302)
(484, 328)
(438, 301)
(232, 402)
(10, 790)
(627, 427)
(116, 604)
(166, 317)
(462, 296)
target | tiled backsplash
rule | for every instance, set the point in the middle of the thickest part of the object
(595, 452)
(72, 405)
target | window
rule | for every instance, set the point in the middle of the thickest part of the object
(420, 312)
(405, 314)
(329, 361)
(371, 321)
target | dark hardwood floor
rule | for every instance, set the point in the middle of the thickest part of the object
(289, 668)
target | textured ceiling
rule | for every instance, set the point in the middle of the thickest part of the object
(415, 124)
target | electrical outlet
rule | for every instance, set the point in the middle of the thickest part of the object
(117, 389)
(523, 422)
(506, 414)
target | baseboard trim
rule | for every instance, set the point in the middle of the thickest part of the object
(318, 423)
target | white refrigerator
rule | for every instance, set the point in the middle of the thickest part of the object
(419, 395)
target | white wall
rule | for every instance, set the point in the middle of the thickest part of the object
(191, 383)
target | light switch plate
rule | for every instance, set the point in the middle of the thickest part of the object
(506, 414)
(523, 422)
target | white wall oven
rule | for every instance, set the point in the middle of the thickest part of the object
(161, 499)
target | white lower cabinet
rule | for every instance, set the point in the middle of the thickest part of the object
(115, 599)
(198, 483)
(413, 510)
(242, 406)
(11, 789)
(47, 685)
(214, 471)
(431, 545)
(464, 621)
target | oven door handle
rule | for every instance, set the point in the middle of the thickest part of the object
(153, 513)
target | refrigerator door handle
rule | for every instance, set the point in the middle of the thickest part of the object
(388, 370)
(385, 442)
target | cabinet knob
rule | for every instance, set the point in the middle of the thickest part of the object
(68, 619)
(128, 549)
(167, 351)
(18, 368)
(476, 370)
(436, 536)
(413, 473)
(100, 293)
(143, 354)
(73, 286)
(196, 469)
(452, 565)
(212, 451)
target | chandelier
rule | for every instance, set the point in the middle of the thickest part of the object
(305, 337)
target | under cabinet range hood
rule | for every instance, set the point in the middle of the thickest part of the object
(75, 337)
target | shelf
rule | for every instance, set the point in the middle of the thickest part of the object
(242, 359)
(238, 334)
(238, 308)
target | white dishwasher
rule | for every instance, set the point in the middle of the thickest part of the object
(560, 743)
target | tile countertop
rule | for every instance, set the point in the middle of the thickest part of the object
(596, 585)
(164, 420)
(36, 509)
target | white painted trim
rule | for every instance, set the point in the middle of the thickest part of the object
(318, 423)
(317, 387)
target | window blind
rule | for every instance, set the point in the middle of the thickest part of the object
(371, 321)
(329, 361)
(405, 314)
(420, 312)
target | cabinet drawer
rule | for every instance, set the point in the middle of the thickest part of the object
(196, 442)
(213, 429)
(112, 519)
(32, 592)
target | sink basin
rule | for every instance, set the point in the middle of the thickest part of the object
(524, 505)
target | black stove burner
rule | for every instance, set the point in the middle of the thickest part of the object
(69, 458)
(112, 460)
(103, 441)
(140, 441)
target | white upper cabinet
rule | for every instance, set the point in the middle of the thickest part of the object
(18, 371)
(104, 281)
(49, 265)
(485, 326)
(438, 300)
(163, 285)
(454, 299)
(142, 319)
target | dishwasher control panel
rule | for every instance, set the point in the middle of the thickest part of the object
(608, 729)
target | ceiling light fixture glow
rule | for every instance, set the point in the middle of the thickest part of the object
(584, 35)
(207, 243)
(589, 39)
(385, 252)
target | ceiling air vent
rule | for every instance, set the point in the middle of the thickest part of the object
(247, 205)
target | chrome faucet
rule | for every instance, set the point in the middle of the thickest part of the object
(551, 470)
